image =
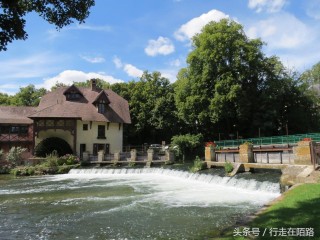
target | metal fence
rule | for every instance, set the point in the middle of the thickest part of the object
(286, 139)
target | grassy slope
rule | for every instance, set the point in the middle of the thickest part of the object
(299, 208)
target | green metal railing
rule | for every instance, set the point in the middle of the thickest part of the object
(286, 139)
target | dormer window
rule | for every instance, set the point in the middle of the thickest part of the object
(101, 102)
(73, 96)
(102, 107)
(72, 93)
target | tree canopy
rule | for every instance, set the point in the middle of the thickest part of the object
(27, 96)
(229, 86)
(57, 12)
(152, 107)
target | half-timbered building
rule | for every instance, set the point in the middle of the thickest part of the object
(88, 119)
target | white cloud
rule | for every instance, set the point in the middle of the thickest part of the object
(270, 6)
(69, 76)
(117, 62)
(161, 46)
(93, 59)
(132, 71)
(175, 63)
(194, 26)
(313, 9)
(170, 74)
(37, 65)
(282, 31)
(95, 28)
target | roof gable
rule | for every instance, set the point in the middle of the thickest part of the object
(55, 105)
(72, 93)
(102, 98)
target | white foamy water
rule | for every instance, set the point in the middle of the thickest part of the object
(127, 204)
(180, 188)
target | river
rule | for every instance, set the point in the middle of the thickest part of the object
(150, 203)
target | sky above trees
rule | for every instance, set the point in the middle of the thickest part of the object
(122, 38)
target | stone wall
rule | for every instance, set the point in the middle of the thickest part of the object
(302, 153)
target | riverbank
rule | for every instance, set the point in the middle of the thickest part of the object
(296, 214)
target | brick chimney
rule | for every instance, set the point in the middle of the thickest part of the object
(94, 86)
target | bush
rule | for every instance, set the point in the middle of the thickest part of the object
(52, 160)
(198, 165)
(14, 155)
(68, 159)
(187, 144)
(48, 145)
(228, 167)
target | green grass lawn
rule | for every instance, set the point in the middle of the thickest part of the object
(297, 211)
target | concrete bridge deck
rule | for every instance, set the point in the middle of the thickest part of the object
(250, 165)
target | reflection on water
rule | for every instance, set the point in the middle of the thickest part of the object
(126, 204)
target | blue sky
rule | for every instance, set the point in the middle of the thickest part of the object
(122, 38)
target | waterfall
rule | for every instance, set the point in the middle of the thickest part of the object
(245, 184)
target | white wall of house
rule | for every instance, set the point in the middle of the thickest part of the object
(113, 134)
(65, 135)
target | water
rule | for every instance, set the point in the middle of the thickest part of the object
(127, 204)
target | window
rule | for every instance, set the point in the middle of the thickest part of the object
(85, 127)
(23, 130)
(4, 130)
(101, 131)
(14, 130)
(101, 107)
(73, 95)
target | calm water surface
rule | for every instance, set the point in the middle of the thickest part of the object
(130, 204)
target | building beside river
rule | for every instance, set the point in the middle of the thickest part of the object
(88, 119)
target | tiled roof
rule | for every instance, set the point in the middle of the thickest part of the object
(16, 115)
(55, 105)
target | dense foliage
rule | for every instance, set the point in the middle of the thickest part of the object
(188, 145)
(14, 156)
(57, 12)
(152, 108)
(231, 88)
(27, 96)
(49, 145)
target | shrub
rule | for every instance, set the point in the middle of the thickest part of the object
(52, 160)
(198, 165)
(68, 159)
(5, 168)
(14, 155)
(187, 144)
(48, 145)
(228, 167)
(1, 154)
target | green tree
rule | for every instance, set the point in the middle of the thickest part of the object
(229, 86)
(57, 12)
(5, 99)
(312, 77)
(28, 96)
(152, 108)
(188, 145)
(99, 82)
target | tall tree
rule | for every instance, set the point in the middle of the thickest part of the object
(152, 108)
(28, 96)
(57, 12)
(229, 86)
(5, 99)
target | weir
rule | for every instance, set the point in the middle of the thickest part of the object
(234, 182)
